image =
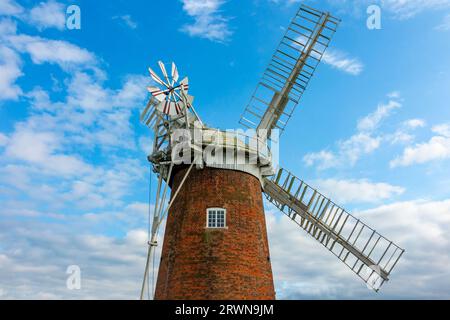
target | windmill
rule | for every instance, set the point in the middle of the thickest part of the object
(215, 244)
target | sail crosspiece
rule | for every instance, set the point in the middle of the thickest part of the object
(290, 70)
(366, 252)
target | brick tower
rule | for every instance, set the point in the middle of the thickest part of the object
(231, 261)
(215, 244)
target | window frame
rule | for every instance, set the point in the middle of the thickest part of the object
(224, 218)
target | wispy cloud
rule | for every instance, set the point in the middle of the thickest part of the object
(323, 159)
(445, 25)
(341, 61)
(363, 142)
(10, 8)
(33, 255)
(10, 71)
(44, 152)
(397, 9)
(403, 9)
(50, 14)
(209, 23)
(3, 139)
(46, 156)
(414, 123)
(357, 191)
(127, 20)
(372, 121)
(42, 50)
(419, 226)
(349, 152)
(45, 15)
(404, 134)
(437, 148)
(7, 27)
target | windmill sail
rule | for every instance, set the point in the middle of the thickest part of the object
(366, 252)
(290, 70)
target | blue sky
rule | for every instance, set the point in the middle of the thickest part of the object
(372, 132)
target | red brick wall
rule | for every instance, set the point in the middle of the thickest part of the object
(200, 263)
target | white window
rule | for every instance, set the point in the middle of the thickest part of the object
(216, 218)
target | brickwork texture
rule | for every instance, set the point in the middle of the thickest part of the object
(198, 263)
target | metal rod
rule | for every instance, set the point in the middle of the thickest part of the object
(178, 190)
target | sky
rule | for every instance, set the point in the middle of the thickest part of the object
(372, 132)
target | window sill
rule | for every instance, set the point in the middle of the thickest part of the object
(211, 228)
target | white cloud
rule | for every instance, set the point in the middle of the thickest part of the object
(405, 9)
(56, 140)
(110, 111)
(397, 9)
(41, 148)
(104, 187)
(133, 92)
(3, 140)
(137, 237)
(326, 159)
(442, 129)
(146, 144)
(139, 208)
(341, 61)
(421, 227)
(437, 148)
(358, 145)
(40, 100)
(364, 141)
(10, 71)
(208, 22)
(122, 134)
(34, 251)
(415, 123)
(10, 8)
(87, 93)
(404, 134)
(62, 53)
(445, 25)
(394, 95)
(400, 137)
(42, 50)
(349, 152)
(7, 27)
(371, 122)
(357, 191)
(50, 14)
(127, 20)
(63, 158)
(91, 115)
